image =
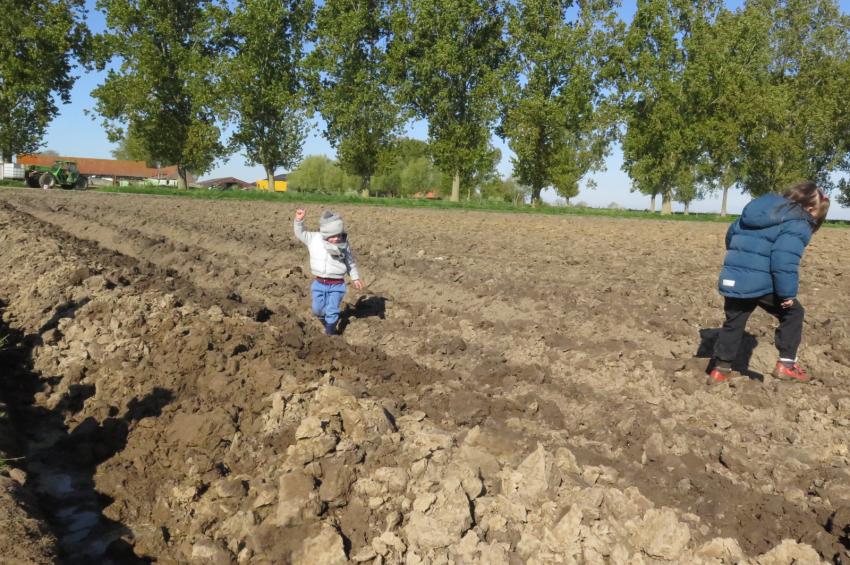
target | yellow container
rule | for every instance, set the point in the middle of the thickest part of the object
(279, 185)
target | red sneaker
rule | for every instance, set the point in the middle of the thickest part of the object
(790, 372)
(717, 376)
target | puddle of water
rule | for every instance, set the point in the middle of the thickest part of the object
(64, 513)
(78, 514)
(58, 484)
(66, 490)
(82, 521)
(73, 539)
(98, 547)
(45, 440)
(84, 535)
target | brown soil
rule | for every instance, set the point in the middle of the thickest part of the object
(24, 535)
(508, 389)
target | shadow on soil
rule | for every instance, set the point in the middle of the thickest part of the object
(61, 461)
(64, 310)
(708, 337)
(367, 306)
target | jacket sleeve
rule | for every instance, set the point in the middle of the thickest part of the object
(302, 234)
(785, 257)
(733, 227)
(351, 264)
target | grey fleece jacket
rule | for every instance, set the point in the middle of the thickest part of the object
(327, 260)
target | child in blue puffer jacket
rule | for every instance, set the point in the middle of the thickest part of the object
(764, 248)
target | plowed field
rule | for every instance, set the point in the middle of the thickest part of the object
(507, 389)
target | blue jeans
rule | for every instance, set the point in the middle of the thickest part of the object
(326, 300)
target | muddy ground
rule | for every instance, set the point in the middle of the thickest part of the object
(508, 389)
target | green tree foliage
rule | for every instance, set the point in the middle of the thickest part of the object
(798, 126)
(39, 44)
(689, 188)
(660, 145)
(449, 58)
(318, 173)
(844, 192)
(131, 148)
(721, 86)
(266, 87)
(482, 171)
(404, 150)
(165, 89)
(406, 170)
(555, 120)
(387, 183)
(844, 126)
(406, 167)
(565, 179)
(354, 95)
(505, 190)
(420, 176)
(761, 101)
(392, 160)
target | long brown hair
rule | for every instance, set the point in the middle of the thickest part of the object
(812, 199)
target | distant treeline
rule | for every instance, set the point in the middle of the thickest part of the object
(405, 169)
(700, 97)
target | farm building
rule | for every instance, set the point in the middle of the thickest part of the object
(112, 171)
(279, 183)
(226, 183)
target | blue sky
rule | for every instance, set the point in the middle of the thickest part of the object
(76, 133)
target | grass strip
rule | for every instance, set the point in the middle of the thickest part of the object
(469, 205)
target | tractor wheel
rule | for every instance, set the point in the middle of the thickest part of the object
(47, 180)
(32, 179)
(82, 182)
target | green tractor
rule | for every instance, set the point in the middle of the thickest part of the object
(62, 173)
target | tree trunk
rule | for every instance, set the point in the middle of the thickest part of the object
(666, 204)
(724, 201)
(535, 195)
(568, 200)
(270, 177)
(182, 182)
(687, 208)
(652, 204)
(365, 186)
(456, 187)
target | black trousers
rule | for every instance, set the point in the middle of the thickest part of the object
(738, 310)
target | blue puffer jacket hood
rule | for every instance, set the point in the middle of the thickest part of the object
(765, 246)
(770, 210)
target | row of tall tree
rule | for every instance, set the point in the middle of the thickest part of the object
(713, 98)
(700, 96)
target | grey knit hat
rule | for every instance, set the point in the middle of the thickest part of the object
(330, 224)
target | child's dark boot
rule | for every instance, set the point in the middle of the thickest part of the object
(330, 329)
(721, 373)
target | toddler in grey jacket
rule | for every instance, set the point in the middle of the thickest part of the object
(330, 260)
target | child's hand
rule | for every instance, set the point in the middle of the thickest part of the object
(299, 214)
(358, 284)
(787, 303)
